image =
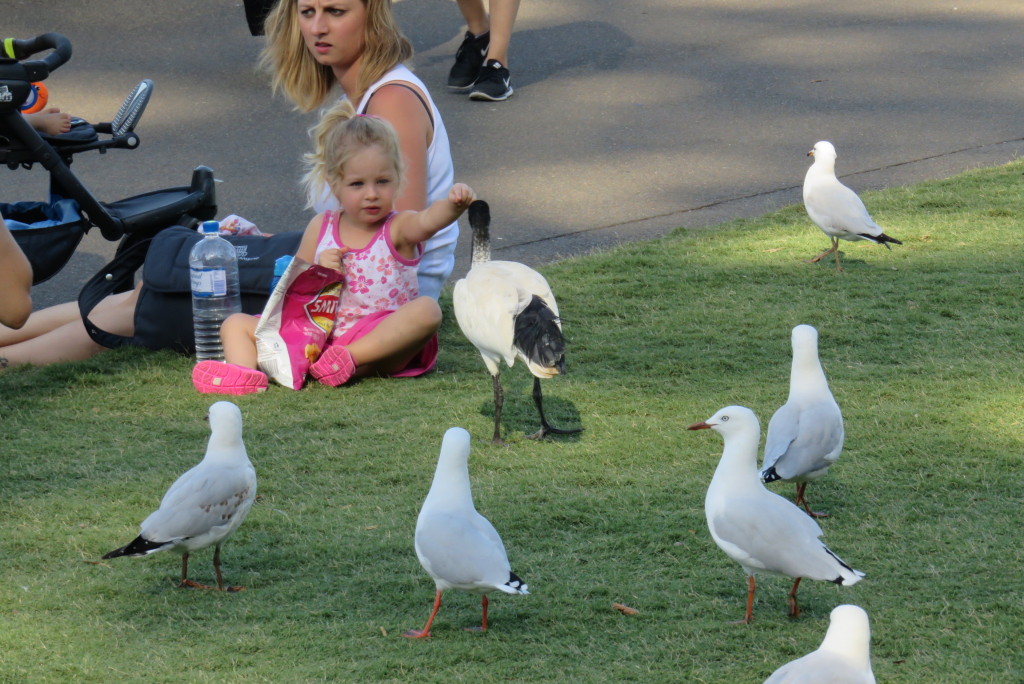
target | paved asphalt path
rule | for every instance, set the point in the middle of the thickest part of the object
(629, 118)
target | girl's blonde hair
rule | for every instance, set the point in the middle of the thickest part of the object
(306, 82)
(341, 134)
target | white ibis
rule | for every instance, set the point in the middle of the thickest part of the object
(507, 310)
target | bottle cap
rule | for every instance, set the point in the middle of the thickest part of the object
(210, 227)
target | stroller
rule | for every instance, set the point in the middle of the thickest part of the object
(164, 220)
(50, 232)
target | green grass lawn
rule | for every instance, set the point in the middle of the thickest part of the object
(922, 346)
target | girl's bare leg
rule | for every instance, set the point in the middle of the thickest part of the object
(390, 346)
(238, 335)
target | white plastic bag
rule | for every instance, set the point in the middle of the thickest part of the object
(296, 322)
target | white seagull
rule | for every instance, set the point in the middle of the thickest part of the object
(835, 208)
(206, 504)
(805, 436)
(457, 546)
(843, 658)
(759, 529)
(507, 310)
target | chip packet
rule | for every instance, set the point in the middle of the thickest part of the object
(296, 322)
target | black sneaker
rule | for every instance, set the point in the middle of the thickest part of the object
(493, 84)
(469, 60)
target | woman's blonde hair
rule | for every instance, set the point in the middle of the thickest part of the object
(341, 134)
(306, 82)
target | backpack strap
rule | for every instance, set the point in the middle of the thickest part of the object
(116, 276)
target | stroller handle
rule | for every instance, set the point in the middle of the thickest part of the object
(38, 70)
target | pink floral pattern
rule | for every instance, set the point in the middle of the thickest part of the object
(377, 278)
(359, 284)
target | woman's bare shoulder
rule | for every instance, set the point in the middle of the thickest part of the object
(401, 103)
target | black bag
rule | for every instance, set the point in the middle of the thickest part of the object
(163, 314)
(48, 233)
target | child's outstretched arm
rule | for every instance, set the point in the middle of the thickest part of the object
(415, 227)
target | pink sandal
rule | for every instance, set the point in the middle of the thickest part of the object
(217, 377)
(334, 367)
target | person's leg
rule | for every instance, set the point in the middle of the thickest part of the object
(503, 17)
(238, 335)
(60, 339)
(494, 84)
(39, 323)
(237, 373)
(475, 15)
(53, 317)
(390, 346)
(469, 58)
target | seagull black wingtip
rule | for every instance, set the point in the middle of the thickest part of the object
(136, 547)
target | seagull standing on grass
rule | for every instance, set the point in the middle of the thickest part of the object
(759, 529)
(835, 208)
(805, 436)
(206, 504)
(507, 310)
(843, 658)
(457, 546)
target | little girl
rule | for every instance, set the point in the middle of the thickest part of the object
(383, 326)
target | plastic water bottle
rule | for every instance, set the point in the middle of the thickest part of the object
(215, 291)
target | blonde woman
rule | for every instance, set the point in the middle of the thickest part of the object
(314, 46)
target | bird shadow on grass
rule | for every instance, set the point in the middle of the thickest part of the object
(519, 417)
(847, 261)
